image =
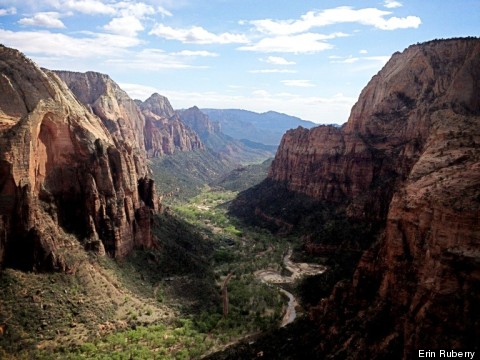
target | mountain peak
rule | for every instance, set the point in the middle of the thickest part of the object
(159, 105)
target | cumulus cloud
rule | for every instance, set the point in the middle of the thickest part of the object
(90, 7)
(277, 60)
(391, 4)
(44, 19)
(344, 14)
(9, 11)
(202, 53)
(196, 35)
(126, 26)
(55, 44)
(301, 43)
(138, 10)
(117, 9)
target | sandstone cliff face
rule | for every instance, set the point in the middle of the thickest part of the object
(409, 155)
(199, 122)
(62, 171)
(386, 132)
(113, 106)
(164, 132)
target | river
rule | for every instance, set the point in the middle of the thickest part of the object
(297, 270)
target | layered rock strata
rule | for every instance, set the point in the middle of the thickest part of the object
(164, 132)
(64, 172)
(199, 121)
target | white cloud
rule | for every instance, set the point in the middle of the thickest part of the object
(363, 51)
(109, 8)
(297, 83)
(391, 4)
(91, 7)
(348, 60)
(400, 23)
(301, 43)
(202, 53)
(153, 60)
(277, 60)
(54, 44)
(126, 26)
(271, 71)
(137, 91)
(344, 14)
(196, 35)
(138, 10)
(9, 11)
(44, 19)
(354, 59)
(163, 11)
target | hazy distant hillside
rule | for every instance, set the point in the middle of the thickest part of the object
(228, 148)
(266, 128)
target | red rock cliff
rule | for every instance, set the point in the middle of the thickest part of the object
(199, 122)
(62, 171)
(151, 127)
(360, 163)
(164, 132)
(410, 155)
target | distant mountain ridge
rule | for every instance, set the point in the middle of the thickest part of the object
(266, 128)
(229, 149)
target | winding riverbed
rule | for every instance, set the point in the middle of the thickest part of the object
(297, 270)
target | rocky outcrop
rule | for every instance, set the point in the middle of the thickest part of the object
(199, 122)
(152, 127)
(113, 106)
(64, 171)
(164, 132)
(386, 132)
(408, 157)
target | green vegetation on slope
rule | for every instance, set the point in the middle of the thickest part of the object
(243, 177)
(183, 175)
(164, 303)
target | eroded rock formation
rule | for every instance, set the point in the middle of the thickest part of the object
(199, 122)
(65, 172)
(164, 132)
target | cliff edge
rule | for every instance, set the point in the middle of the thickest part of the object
(63, 172)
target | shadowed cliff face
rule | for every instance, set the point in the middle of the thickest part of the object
(409, 157)
(63, 172)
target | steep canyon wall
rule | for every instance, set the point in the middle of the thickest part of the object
(64, 171)
(409, 158)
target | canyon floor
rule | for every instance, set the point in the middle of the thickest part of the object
(163, 303)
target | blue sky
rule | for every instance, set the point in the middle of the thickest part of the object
(305, 58)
